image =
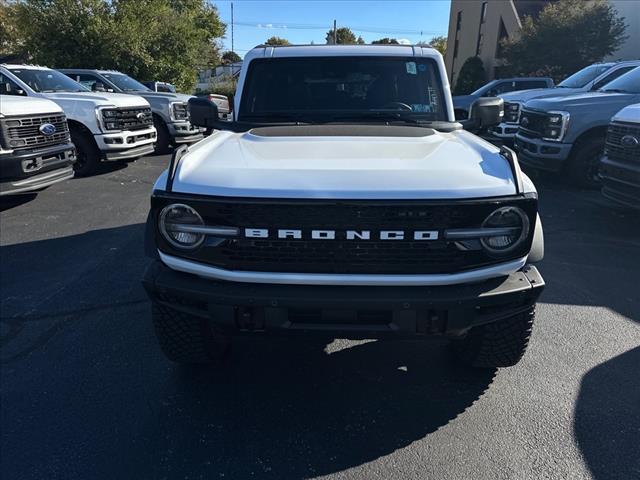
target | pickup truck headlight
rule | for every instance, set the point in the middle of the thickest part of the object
(511, 112)
(108, 119)
(179, 111)
(555, 126)
(179, 226)
(516, 224)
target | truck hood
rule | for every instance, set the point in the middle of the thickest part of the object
(169, 97)
(99, 98)
(345, 166)
(628, 114)
(522, 96)
(584, 101)
(14, 105)
(463, 101)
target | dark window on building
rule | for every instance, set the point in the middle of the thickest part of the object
(483, 15)
(502, 36)
(455, 49)
(459, 21)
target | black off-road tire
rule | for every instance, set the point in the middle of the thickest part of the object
(87, 153)
(583, 164)
(497, 344)
(163, 140)
(187, 339)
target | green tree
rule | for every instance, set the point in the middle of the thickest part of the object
(385, 41)
(471, 76)
(439, 43)
(154, 39)
(230, 57)
(277, 41)
(566, 36)
(344, 37)
(360, 40)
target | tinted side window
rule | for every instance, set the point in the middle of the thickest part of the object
(528, 84)
(502, 87)
(88, 80)
(612, 76)
(9, 87)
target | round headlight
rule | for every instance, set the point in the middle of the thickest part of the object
(175, 222)
(515, 221)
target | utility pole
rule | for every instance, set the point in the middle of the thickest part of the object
(232, 27)
(335, 33)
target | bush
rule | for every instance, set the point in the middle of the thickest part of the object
(471, 76)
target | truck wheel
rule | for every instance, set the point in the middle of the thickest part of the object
(186, 338)
(162, 139)
(87, 154)
(497, 344)
(584, 163)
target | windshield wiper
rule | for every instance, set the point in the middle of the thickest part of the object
(275, 117)
(614, 90)
(385, 116)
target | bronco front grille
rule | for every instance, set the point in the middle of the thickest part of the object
(306, 255)
(24, 131)
(616, 149)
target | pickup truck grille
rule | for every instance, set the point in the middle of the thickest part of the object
(127, 118)
(532, 123)
(344, 256)
(20, 133)
(616, 150)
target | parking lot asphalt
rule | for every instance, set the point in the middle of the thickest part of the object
(86, 393)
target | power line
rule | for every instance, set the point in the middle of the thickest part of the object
(311, 26)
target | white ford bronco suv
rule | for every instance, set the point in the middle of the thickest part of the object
(343, 200)
(104, 126)
(35, 146)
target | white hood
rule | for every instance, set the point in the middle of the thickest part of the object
(100, 98)
(628, 114)
(14, 105)
(438, 165)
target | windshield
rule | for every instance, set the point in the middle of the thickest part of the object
(584, 76)
(627, 83)
(342, 88)
(125, 82)
(48, 80)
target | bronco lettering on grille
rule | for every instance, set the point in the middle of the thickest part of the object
(297, 234)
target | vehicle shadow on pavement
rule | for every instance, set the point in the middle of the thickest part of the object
(290, 409)
(12, 201)
(607, 420)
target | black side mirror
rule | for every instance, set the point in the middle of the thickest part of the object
(203, 113)
(485, 112)
(98, 87)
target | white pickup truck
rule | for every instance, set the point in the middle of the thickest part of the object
(35, 146)
(344, 200)
(104, 126)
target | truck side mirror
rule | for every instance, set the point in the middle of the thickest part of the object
(203, 113)
(485, 112)
(98, 87)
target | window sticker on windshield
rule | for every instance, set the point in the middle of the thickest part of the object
(421, 108)
(411, 68)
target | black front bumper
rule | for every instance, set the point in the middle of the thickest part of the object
(344, 312)
(621, 182)
(28, 170)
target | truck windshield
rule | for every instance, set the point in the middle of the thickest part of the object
(627, 83)
(47, 80)
(318, 89)
(125, 82)
(584, 76)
